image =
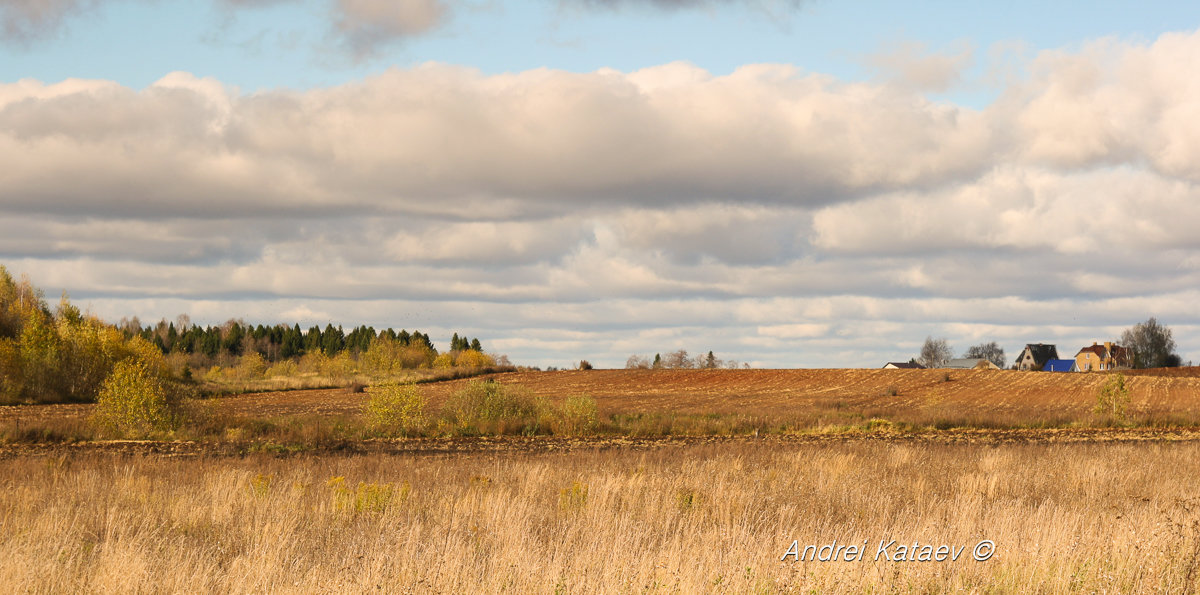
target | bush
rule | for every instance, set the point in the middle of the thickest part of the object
(339, 368)
(474, 359)
(11, 379)
(251, 366)
(1113, 397)
(493, 404)
(395, 409)
(283, 368)
(135, 402)
(585, 365)
(579, 415)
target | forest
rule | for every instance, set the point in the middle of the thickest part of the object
(63, 354)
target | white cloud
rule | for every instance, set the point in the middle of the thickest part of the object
(1022, 209)
(794, 331)
(910, 64)
(767, 214)
(445, 140)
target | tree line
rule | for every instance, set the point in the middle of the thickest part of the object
(62, 354)
(276, 342)
(679, 360)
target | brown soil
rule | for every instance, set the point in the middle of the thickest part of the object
(543, 444)
(1003, 395)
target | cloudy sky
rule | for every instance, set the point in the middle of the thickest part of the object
(789, 183)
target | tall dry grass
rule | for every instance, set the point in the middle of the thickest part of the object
(1065, 518)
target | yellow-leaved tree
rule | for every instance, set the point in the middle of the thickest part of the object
(472, 358)
(135, 402)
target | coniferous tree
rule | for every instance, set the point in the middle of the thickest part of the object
(232, 343)
(292, 343)
(312, 340)
(333, 340)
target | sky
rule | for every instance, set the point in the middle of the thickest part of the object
(788, 183)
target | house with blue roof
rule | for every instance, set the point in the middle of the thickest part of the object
(1060, 365)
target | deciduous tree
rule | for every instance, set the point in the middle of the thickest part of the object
(990, 351)
(934, 353)
(1151, 344)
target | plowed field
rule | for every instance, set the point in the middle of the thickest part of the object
(1005, 397)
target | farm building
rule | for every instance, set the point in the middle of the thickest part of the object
(1035, 356)
(903, 366)
(1060, 365)
(1108, 356)
(971, 364)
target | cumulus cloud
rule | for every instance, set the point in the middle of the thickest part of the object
(911, 64)
(488, 242)
(759, 213)
(1027, 210)
(447, 140)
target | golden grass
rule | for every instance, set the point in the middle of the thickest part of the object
(1065, 518)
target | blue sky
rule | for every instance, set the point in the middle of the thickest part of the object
(786, 183)
(288, 44)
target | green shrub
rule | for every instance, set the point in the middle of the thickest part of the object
(395, 409)
(1113, 397)
(283, 368)
(251, 366)
(488, 404)
(579, 415)
(135, 402)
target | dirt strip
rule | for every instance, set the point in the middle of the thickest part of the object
(516, 444)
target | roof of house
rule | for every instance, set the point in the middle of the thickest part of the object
(1059, 365)
(905, 365)
(1042, 352)
(1101, 351)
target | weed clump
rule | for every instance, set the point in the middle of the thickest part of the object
(686, 498)
(573, 498)
(366, 497)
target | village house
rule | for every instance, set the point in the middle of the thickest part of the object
(1108, 356)
(1035, 356)
(1060, 365)
(903, 366)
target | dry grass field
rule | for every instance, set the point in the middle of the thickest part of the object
(1064, 518)
(1071, 504)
